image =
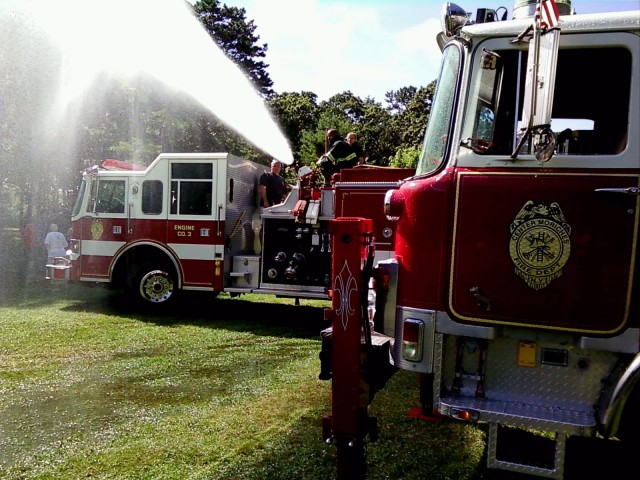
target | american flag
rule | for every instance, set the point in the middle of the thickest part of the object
(547, 14)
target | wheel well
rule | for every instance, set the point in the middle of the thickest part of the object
(619, 415)
(128, 262)
(630, 420)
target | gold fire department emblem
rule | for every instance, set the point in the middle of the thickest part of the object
(97, 228)
(540, 243)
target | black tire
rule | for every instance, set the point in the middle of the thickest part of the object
(153, 285)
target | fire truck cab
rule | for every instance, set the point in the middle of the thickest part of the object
(513, 291)
(191, 221)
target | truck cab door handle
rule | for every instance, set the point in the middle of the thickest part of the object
(481, 300)
(635, 191)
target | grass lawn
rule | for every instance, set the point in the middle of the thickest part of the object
(215, 388)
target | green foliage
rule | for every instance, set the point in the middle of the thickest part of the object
(410, 109)
(405, 157)
(297, 113)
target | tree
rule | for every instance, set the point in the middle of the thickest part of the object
(32, 161)
(232, 32)
(297, 113)
(410, 108)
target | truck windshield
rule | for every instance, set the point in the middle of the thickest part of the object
(435, 138)
(78, 205)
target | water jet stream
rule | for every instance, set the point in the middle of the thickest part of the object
(161, 38)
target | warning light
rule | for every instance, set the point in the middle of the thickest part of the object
(466, 415)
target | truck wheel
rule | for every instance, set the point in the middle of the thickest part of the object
(154, 285)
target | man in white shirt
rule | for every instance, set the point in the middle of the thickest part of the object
(55, 242)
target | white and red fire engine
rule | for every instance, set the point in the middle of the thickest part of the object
(193, 222)
(513, 291)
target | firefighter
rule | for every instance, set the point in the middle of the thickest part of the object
(339, 154)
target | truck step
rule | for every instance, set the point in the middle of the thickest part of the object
(521, 414)
(524, 452)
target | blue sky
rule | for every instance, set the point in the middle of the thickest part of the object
(366, 46)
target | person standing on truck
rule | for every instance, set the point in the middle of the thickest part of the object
(271, 186)
(340, 154)
(55, 243)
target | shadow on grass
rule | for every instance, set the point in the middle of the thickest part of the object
(258, 314)
(407, 448)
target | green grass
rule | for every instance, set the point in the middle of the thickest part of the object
(218, 389)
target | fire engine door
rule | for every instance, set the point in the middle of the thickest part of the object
(195, 228)
(543, 248)
(104, 224)
(550, 244)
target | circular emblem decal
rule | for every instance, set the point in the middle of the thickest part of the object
(540, 245)
(96, 229)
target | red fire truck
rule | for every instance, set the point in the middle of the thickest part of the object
(193, 222)
(513, 291)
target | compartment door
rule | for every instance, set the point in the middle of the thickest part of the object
(552, 250)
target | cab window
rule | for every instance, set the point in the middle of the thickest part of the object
(152, 197)
(590, 114)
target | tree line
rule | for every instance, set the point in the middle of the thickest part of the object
(139, 118)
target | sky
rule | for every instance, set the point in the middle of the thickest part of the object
(368, 47)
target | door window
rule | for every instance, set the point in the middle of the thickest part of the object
(590, 114)
(191, 188)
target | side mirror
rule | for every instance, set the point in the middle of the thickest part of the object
(544, 143)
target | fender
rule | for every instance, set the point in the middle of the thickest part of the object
(120, 255)
(621, 392)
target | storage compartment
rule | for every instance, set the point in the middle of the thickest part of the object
(296, 256)
(327, 203)
(246, 271)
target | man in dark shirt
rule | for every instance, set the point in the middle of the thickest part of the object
(272, 187)
(340, 154)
